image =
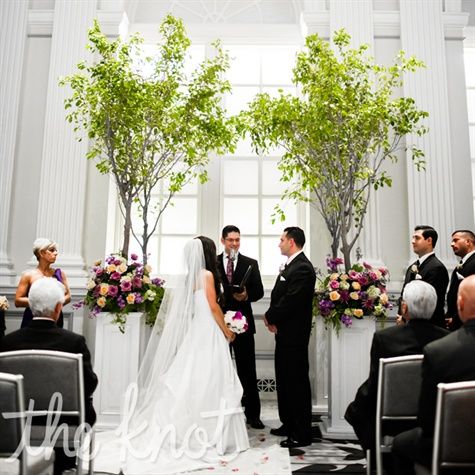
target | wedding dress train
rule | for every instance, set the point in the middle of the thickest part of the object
(193, 419)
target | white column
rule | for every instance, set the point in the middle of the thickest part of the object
(63, 172)
(13, 30)
(430, 193)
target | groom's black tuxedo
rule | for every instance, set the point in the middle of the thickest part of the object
(434, 273)
(291, 312)
(243, 345)
(468, 268)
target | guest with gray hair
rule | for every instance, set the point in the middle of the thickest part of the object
(46, 252)
(46, 298)
(418, 303)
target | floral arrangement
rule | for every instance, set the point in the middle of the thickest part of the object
(236, 321)
(359, 292)
(3, 303)
(120, 287)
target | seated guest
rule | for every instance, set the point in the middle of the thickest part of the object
(447, 360)
(46, 299)
(419, 300)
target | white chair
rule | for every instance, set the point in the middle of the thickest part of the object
(47, 373)
(39, 461)
(399, 386)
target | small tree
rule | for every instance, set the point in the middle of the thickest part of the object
(145, 129)
(338, 133)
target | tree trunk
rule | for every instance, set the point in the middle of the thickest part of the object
(127, 228)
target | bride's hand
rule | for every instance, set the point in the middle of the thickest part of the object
(229, 334)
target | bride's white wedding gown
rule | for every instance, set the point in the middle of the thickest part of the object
(200, 381)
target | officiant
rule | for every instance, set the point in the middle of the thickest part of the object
(242, 284)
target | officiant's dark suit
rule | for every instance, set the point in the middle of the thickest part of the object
(463, 243)
(419, 301)
(44, 334)
(290, 316)
(429, 269)
(243, 345)
(447, 360)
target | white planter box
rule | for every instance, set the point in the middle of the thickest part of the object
(116, 363)
(348, 367)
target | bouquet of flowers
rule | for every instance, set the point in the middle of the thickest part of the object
(236, 321)
(342, 296)
(3, 303)
(120, 287)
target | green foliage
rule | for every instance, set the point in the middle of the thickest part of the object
(144, 130)
(340, 130)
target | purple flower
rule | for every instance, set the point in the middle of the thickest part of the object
(134, 256)
(325, 307)
(137, 282)
(113, 290)
(238, 315)
(344, 295)
(158, 282)
(369, 304)
(346, 320)
(121, 302)
(96, 291)
(115, 276)
(117, 262)
(138, 298)
(362, 279)
(99, 271)
(332, 264)
(110, 259)
(126, 286)
(95, 311)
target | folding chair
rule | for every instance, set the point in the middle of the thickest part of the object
(454, 435)
(47, 373)
(16, 457)
(399, 386)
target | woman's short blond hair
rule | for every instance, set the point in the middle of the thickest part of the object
(41, 244)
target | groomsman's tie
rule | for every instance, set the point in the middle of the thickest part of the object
(229, 270)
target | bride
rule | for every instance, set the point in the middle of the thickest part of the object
(185, 411)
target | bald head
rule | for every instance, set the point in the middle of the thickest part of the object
(466, 299)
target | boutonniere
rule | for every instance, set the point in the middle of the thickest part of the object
(281, 268)
(414, 269)
(459, 266)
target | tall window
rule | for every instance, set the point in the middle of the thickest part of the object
(469, 53)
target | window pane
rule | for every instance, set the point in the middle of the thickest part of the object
(170, 251)
(244, 67)
(240, 177)
(271, 258)
(277, 64)
(268, 205)
(250, 246)
(180, 217)
(239, 98)
(271, 184)
(244, 148)
(243, 212)
(469, 57)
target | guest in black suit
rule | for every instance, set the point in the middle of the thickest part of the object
(290, 318)
(429, 269)
(447, 360)
(463, 245)
(243, 345)
(45, 298)
(418, 303)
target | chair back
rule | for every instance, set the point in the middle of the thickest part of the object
(47, 372)
(399, 386)
(454, 436)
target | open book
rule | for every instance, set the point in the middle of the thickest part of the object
(239, 288)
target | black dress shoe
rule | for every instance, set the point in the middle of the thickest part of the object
(292, 443)
(280, 431)
(255, 423)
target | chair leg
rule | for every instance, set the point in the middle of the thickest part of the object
(91, 451)
(368, 462)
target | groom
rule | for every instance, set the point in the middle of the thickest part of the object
(290, 318)
(233, 265)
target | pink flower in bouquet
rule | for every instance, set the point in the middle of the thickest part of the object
(137, 282)
(134, 256)
(115, 276)
(334, 284)
(126, 285)
(113, 290)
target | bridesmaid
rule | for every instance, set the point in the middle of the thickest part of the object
(46, 252)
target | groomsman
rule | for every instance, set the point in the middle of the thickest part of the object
(233, 266)
(429, 269)
(290, 318)
(463, 245)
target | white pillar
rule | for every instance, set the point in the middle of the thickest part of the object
(13, 30)
(63, 172)
(430, 193)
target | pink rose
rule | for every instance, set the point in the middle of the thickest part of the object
(113, 290)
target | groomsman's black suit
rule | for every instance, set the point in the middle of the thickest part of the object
(243, 345)
(468, 268)
(291, 312)
(404, 340)
(447, 360)
(46, 335)
(434, 273)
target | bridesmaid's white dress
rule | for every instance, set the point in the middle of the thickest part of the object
(184, 429)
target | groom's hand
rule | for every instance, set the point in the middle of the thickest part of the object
(270, 327)
(241, 297)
